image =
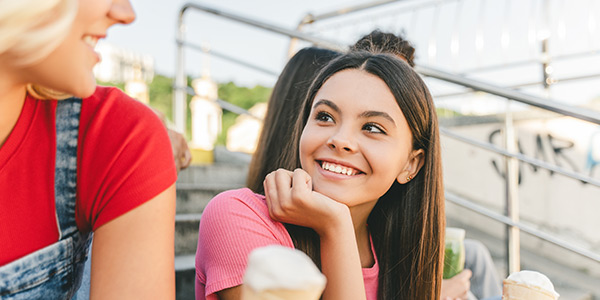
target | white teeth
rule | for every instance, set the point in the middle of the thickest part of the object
(337, 169)
(88, 39)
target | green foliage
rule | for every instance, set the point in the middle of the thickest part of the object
(119, 85)
(447, 113)
(161, 95)
(161, 98)
(242, 96)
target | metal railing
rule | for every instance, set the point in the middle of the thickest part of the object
(511, 220)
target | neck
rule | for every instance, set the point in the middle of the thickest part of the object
(12, 97)
(360, 215)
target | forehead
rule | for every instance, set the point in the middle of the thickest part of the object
(359, 90)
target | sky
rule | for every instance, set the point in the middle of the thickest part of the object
(154, 33)
(453, 35)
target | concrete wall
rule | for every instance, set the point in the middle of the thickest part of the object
(554, 203)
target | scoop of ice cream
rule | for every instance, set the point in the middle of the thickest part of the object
(278, 267)
(532, 278)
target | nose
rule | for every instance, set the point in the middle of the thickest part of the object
(122, 11)
(342, 141)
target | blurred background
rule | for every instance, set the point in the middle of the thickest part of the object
(516, 84)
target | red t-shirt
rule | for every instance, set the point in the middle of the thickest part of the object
(124, 159)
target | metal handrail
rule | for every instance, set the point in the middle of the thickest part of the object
(310, 18)
(524, 158)
(228, 58)
(179, 115)
(524, 227)
(523, 85)
(476, 85)
(543, 103)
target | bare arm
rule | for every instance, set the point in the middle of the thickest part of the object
(291, 200)
(134, 254)
(340, 261)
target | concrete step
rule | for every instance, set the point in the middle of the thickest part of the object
(214, 173)
(184, 277)
(193, 197)
(196, 186)
(186, 233)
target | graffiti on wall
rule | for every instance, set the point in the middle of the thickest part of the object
(551, 149)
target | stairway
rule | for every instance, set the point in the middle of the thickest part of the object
(195, 187)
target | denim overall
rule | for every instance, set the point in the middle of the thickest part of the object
(55, 271)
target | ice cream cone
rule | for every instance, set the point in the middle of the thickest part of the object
(280, 273)
(528, 285)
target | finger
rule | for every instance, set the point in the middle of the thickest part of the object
(301, 184)
(283, 183)
(187, 158)
(465, 274)
(270, 190)
(271, 195)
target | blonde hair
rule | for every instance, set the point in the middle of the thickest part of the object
(31, 29)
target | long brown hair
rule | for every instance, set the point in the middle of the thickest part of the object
(407, 223)
(282, 112)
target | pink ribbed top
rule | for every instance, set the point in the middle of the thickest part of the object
(233, 224)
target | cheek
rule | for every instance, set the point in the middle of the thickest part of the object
(304, 146)
(311, 139)
(390, 160)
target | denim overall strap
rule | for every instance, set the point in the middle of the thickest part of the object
(54, 272)
(65, 177)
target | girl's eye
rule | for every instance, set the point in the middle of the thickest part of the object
(324, 117)
(373, 128)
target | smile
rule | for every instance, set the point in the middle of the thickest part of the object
(90, 40)
(339, 169)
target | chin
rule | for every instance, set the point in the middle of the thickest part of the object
(85, 90)
(333, 193)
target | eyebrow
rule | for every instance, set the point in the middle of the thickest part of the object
(366, 114)
(328, 103)
(372, 113)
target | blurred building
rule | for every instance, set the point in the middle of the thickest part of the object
(243, 135)
(120, 66)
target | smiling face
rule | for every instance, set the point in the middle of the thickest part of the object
(356, 141)
(69, 67)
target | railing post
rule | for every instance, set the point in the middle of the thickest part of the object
(180, 85)
(294, 41)
(513, 253)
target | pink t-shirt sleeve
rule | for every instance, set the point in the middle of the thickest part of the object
(232, 225)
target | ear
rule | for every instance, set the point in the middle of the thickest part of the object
(415, 161)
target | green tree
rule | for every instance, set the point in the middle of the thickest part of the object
(161, 98)
(241, 96)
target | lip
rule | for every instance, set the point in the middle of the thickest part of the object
(332, 175)
(97, 37)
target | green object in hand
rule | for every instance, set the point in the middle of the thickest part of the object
(453, 260)
(454, 256)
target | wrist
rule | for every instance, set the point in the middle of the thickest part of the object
(339, 223)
